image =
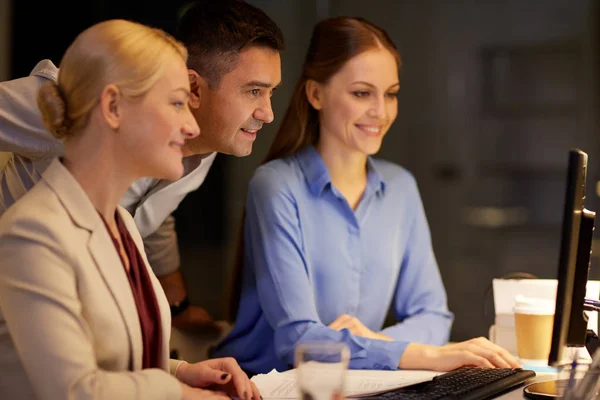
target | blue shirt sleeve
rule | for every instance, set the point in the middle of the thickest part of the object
(420, 302)
(274, 249)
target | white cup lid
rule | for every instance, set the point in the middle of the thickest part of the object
(531, 305)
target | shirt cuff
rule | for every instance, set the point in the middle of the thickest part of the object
(379, 354)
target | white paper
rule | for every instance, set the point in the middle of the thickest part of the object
(283, 385)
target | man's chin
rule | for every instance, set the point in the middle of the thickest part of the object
(189, 149)
(242, 152)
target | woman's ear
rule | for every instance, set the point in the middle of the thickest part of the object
(110, 99)
(314, 93)
(197, 85)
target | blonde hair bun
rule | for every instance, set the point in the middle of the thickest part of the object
(54, 110)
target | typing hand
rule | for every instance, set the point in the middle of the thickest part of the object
(219, 374)
(356, 327)
(478, 352)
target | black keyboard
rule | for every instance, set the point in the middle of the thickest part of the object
(465, 383)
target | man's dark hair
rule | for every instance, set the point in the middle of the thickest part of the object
(215, 31)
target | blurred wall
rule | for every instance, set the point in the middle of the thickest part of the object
(438, 136)
(5, 38)
(456, 147)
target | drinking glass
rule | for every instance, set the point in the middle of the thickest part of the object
(321, 370)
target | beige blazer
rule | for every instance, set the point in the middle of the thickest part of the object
(69, 327)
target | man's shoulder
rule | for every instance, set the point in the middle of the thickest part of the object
(44, 71)
(22, 129)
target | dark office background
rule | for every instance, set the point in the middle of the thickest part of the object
(494, 93)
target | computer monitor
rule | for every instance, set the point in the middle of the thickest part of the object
(570, 320)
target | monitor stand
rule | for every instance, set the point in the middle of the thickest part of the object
(554, 389)
(592, 342)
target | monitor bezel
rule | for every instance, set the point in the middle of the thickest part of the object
(568, 253)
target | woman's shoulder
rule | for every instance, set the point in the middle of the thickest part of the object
(276, 174)
(37, 216)
(394, 174)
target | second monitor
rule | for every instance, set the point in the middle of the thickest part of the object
(570, 320)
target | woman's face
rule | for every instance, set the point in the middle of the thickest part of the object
(359, 103)
(158, 124)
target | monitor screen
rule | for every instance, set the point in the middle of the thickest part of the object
(570, 321)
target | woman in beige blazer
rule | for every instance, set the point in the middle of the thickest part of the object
(82, 316)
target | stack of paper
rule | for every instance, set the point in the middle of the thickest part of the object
(283, 385)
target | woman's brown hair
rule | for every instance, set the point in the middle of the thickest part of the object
(333, 43)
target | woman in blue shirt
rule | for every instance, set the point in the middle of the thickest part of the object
(333, 237)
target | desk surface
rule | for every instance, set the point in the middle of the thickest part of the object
(517, 394)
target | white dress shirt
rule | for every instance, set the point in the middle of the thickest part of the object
(150, 201)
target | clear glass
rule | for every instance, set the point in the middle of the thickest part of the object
(321, 370)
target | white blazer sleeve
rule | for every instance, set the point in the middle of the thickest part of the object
(21, 128)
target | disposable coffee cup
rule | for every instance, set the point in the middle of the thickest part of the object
(533, 327)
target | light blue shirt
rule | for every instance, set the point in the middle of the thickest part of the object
(309, 257)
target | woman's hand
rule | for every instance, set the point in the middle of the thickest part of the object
(478, 352)
(356, 327)
(190, 393)
(220, 374)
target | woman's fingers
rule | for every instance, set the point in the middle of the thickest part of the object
(476, 360)
(493, 359)
(341, 322)
(496, 354)
(239, 378)
(255, 391)
(190, 393)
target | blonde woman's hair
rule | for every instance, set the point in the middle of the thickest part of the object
(129, 55)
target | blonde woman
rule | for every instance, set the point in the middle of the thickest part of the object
(82, 315)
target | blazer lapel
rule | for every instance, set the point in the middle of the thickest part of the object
(165, 317)
(111, 267)
(161, 299)
(102, 250)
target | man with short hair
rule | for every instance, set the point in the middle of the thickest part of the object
(234, 66)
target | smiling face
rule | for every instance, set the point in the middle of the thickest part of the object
(358, 104)
(157, 125)
(231, 115)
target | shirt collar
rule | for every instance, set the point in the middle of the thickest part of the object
(190, 163)
(317, 175)
(374, 179)
(314, 169)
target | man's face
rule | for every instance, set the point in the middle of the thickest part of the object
(231, 115)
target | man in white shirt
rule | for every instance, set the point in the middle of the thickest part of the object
(234, 67)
